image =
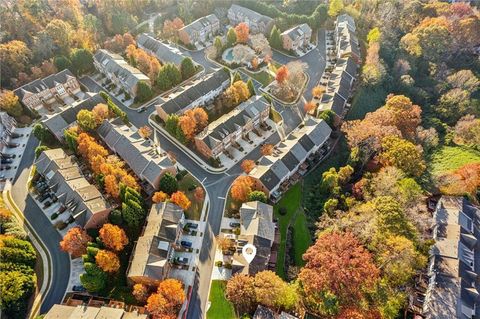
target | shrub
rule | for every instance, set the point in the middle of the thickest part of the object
(218, 263)
(54, 216)
(282, 211)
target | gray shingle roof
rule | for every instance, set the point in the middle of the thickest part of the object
(163, 51)
(252, 15)
(201, 23)
(297, 31)
(256, 218)
(40, 85)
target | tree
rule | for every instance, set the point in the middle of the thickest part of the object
(111, 185)
(9, 102)
(275, 38)
(15, 286)
(61, 34)
(247, 165)
(159, 197)
(242, 32)
(145, 131)
(218, 45)
(231, 37)
(251, 87)
(241, 90)
(465, 180)
(94, 279)
(144, 92)
(75, 242)
(241, 187)
(328, 116)
(107, 261)
(168, 184)
(168, 300)
(140, 292)
(390, 218)
(224, 243)
(403, 155)
(82, 61)
(467, 131)
(163, 81)
(240, 291)
(113, 237)
(86, 120)
(257, 196)
(42, 134)
(179, 198)
(282, 75)
(100, 113)
(187, 68)
(14, 57)
(268, 288)
(309, 107)
(318, 91)
(321, 281)
(266, 149)
(133, 213)
(199, 194)
(336, 6)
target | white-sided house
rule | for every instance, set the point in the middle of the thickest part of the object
(346, 40)
(200, 31)
(115, 68)
(297, 38)
(164, 51)
(200, 92)
(43, 92)
(257, 22)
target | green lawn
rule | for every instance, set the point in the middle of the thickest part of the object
(448, 158)
(301, 237)
(263, 76)
(187, 184)
(220, 308)
(366, 100)
(291, 201)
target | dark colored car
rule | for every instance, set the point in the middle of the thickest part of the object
(79, 288)
(186, 243)
(47, 204)
(181, 260)
(43, 197)
(8, 155)
(6, 161)
(5, 167)
(234, 224)
(16, 135)
(12, 145)
(192, 226)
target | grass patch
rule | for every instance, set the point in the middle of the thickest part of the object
(187, 185)
(301, 237)
(263, 77)
(291, 201)
(220, 307)
(367, 99)
(232, 207)
(448, 158)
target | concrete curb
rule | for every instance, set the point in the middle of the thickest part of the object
(300, 95)
(186, 150)
(39, 246)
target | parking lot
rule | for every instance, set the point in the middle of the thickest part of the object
(12, 153)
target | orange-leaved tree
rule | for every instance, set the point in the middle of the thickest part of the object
(140, 292)
(111, 186)
(159, 197)
(248, 165)
(242, 31)
(309, 106)
(75, 242)
(168, 300)
(199, 194)
(145, 131)
(113, 237)
(266, 149)
(107, 261)
(241, 187)
(179, 198)
(318, 90)
(100, 112)
(282, 74)
(188, 126)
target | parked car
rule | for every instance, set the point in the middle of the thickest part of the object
(79, 288)
(6, 161)
(12, 145)
(5, 167)
(186, 243)
(47, 204)
(43, 197)
(3, 155)
(234, 224)
(15, 135)
(181, 260)
(192, 226)
(142, 109)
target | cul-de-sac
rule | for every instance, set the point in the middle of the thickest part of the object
(235, 159)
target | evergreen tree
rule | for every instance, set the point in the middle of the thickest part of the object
(62, 62)
(71, 140)
(187, 68)
(144, 92)
(163, 80)
(275, 38)
(133, 214)
(236, 77)
(171, 124)
(168, 184)
(257, 196)
(94, 279)
(218, 45)
(251, 87)
(82, 61)
(231, 37)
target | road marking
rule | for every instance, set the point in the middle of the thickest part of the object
(221, 197)
(204, 180)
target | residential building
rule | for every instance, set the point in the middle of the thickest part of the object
(297, 38)
(154, 252)
(339, 87)
(164, 51)
(275, 173)
(201, 92)
(346, 40)
(266, 313)
(88, 307)
(452, 290)
(42, 93)
(257, 22)
(256, 228)
(58, 122)
(200, 31)
(117, 70)
(81, 199)
(145, 157)
(7, 128)
(224, 133)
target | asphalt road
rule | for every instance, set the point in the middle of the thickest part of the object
(49, 236)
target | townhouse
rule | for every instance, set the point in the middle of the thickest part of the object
(297, 38)
(154, 252)
(117, 70)
(201, 92)
(164, 52)
(452, 288)
(42, 93)
(339, 87)
(81, 199)
(346, 40)
(257, 22)
(224, 133)
(256, 228)
(7, 128)
(57, 123)
(200, 31)
(147, 160)
(91, 307)
(275, 173)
